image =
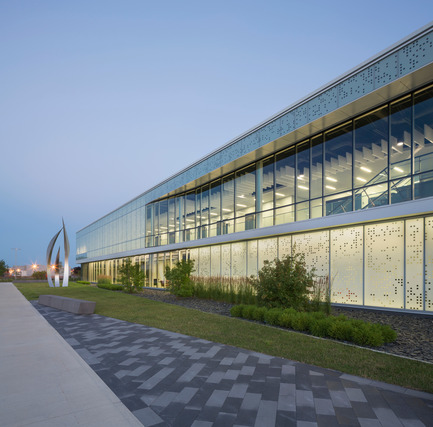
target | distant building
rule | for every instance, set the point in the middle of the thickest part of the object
(26, 270)
(344, 176)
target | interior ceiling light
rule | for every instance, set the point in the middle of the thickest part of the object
(361, 179)
(214, 214)
(226, 210)
(301, 177)
(241, 196)
(280, 194)
(331, 188)
(398, 169)
(331, 179)
(399, 143)
(302, 187)
(363, 168)
(241, 206)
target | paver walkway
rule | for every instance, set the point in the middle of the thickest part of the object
(169, 379)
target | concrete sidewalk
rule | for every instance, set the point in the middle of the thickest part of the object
(43, 381)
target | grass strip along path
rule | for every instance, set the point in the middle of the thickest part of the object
(248, 335)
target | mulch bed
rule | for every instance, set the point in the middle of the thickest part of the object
(415, 331)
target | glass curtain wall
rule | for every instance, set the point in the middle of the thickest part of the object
(382, 157)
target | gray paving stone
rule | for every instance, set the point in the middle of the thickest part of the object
(170, 379)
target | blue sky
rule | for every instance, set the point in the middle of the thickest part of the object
(101, 100)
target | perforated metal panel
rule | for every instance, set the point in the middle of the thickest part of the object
(384, 264)
(284, 246)
(415, 55)
(204, 262)
(215, 269)
(239, 259)
(267, 250)
(429, 264)
(252, 258)
(347, 246)
(414, 263)
(226, 261)
(315, 247)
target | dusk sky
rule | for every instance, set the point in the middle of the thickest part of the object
(101, 100)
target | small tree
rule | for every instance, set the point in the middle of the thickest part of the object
(284, 283)
(3, 267)
(131, 276)
(179, 278)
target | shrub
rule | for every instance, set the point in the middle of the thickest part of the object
(389, 335)
(104, 279)
(248, 312)
(259, 313)
(179, 280)
(110, 286)
(301, 322)
(131, 276)
(284, 283)
(286, 318)
(39, 275)
(272, 316)
(321, 327)
(341, 329)
(237, 310)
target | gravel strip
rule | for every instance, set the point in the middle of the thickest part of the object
(414, 331)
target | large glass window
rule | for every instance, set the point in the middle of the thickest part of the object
(163, 221)
(215, 208)
(338, 159)
(204, 215)
(265, 193)
(371, 148)
(285, 178)
(400, 151)
(423, 130)
(316, 166)
(245, 198)
(190, 216)
(303, 172)
(227, 203)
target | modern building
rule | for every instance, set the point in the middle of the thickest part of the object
(344, 176)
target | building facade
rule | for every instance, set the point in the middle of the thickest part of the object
(344, 176)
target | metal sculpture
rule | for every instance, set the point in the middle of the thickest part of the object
(56, 266)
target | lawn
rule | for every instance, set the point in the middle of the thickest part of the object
(252, 336)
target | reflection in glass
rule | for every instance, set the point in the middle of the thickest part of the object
(316, 166)
(228, 197)
(284, 215)
(371, 148)
(423, 131)
(204, 215)
(401, 138)
(423, 185)
(401, 190)
(265, 200)
(215, 208)
(285, 178)
(339, 203)
(303, 171)
(370, 197)
(245, 198)
(338, 159)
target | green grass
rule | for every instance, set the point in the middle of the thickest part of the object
(252, 336)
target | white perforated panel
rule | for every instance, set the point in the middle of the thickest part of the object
(225, 261)
(193, 254)
(268, 249)
(252, 258)
(384, 264)
(315, 247)
(239, 259)
(204, 262)
(429, 264)
(215, 256)
(347, 265)
(414, 263)
(284, 246)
